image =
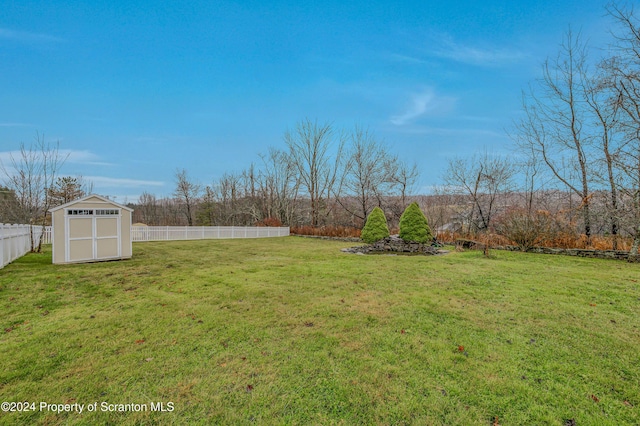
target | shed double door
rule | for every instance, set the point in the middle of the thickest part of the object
(92, 238)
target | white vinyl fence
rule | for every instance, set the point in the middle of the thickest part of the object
(165, 233)
(15, 241)
(46, 237)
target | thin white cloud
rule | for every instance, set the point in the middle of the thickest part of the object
(448, 48)
(423, 103)
(69, 156)
(83, 157)
(7, 156)
(27, 37)
(397, 57)
(443, 46)
(104, 181)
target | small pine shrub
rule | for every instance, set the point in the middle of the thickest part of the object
(376, 227)
(414, 226)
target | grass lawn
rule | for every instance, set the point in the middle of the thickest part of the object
(292, 331)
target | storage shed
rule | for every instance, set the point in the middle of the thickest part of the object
(90, 229)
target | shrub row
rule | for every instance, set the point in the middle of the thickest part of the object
(327, 231)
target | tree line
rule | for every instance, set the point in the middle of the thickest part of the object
(324, 176)
(574, 170)
(576, 147)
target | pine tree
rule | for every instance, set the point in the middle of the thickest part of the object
(414, 226)
(376, 227)
(66, 189)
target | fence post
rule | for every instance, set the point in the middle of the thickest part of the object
(13, 242)
(19, 241)
(6, 243)
(2, 244)
(17, 247)
(34, 232)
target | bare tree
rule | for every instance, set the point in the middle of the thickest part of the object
(206, 215)
(404, 179)
(401, 180)
(171, 211)
(529, 168)
(369, 174)
(29, 176)
(623, 71)
(148, 207)
(279, 185)
(554, 121)
(483, 179)
(187, 192)
(316, 151)
(227, 193)
(599, 90)
(443, 209)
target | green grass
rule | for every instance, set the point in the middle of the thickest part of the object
(292, 331)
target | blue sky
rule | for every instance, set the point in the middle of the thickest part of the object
(135, 90)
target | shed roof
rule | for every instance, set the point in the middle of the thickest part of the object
(99, 197)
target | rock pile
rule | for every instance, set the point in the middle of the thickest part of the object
(395, 244)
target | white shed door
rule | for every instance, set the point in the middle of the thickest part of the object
(92, 237)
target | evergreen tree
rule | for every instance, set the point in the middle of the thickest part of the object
(414, 226)
(66, 189)
(376, 227)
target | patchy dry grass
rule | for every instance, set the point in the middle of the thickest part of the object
(292, 331)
